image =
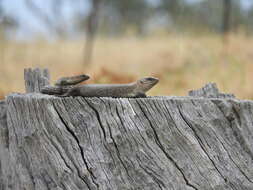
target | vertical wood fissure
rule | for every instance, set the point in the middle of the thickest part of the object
(81, 152)
(163, 150)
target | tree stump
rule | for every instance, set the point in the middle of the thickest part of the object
(35, 79)
(177, 143)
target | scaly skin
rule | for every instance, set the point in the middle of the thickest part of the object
(63, 84)
(132, 90)
(66, 81)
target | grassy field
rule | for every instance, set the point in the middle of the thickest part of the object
(181, 62)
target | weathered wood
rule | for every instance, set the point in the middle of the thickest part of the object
(179, 143)
(152, 143)
(4, 144)
(35, 79)
(210, 90)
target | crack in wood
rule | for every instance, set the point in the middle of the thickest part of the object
(95, 153)
(157, 181)
(240, 140)
(200, 141)
(110, 134)
(84, 178)
(163, 150)
(116, 147)
(98, 117)
(113, 140)
(176, 126)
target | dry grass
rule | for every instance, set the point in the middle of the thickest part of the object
(181, 62)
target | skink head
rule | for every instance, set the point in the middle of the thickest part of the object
(147, 83)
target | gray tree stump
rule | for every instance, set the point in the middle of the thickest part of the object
(168, 143)
(35, 79)
(209, 91)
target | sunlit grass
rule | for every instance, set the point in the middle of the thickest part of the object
(181, 62)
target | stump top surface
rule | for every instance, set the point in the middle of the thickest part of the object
(149, 98)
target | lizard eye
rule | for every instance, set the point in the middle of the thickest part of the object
(150, 79)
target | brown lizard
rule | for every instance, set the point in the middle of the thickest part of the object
(62, 85)
(130, 90)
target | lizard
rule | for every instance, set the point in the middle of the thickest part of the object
(130, 90)
(66, 81)
(63, 84)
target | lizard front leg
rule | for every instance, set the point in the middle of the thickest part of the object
(140, 95)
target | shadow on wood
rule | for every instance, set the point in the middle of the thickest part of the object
(189, 143)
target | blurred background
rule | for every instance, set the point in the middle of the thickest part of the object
(185, 43)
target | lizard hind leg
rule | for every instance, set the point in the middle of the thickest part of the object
(70, 92)
(75, 91)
